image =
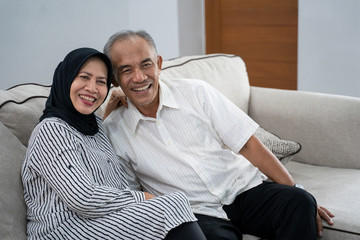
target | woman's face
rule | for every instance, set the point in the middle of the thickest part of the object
(89, 89)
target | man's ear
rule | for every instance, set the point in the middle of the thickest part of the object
(159, 61)
(114, 82)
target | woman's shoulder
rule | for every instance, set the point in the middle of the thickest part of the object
(53, 124)
(54, 136)
(51, 128)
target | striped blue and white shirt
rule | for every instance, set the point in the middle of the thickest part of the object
(75, 188)
(190, 146)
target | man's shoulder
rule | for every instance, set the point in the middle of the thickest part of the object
(185, 83)
(112, 119)
(118, 120)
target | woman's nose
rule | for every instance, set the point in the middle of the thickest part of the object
(91, 86)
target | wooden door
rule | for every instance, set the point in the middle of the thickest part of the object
(262, 32)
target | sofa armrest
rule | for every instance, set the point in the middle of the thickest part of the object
(327, 126)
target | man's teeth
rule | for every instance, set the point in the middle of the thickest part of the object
(141, 88)
(90, 99)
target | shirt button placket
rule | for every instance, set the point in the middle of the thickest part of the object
(163, 132)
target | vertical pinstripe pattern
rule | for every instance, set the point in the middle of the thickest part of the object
(75, 188)
(188, 147)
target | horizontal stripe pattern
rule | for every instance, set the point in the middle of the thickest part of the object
(75, 188)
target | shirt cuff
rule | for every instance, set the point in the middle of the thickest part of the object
(138, 195)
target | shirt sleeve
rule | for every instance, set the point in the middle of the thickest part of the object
(232, 124)
(60, 164)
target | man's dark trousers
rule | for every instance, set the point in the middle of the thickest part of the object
(270, 211)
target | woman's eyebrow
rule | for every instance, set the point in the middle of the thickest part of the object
(85, 73)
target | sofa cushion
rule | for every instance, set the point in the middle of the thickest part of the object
(225, 72)
(21, 107)
(284, 150)
(336, 189)
(12, 205)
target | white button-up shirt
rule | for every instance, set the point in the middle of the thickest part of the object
(191, 146)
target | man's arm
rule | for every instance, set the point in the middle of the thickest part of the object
(262, 158)
(117, 99)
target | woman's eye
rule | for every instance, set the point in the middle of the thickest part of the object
(84, 76)
(101, 82)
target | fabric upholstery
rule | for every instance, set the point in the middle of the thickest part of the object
(12, 205)
(337, 189)
(21, 107)
(224, 71)
(284, 150)
(327, 126)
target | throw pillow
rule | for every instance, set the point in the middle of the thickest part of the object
(284, 150)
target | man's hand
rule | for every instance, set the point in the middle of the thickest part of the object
(148, 196)
(116, 100)
(325, 214)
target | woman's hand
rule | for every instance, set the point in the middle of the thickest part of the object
(116, 100)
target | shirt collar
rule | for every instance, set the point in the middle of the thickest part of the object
(133, 116)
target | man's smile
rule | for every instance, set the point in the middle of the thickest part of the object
(142, 89)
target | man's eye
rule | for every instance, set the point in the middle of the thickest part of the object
(124, 71)
(148, 64)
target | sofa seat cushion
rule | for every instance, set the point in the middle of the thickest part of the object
(336, 189)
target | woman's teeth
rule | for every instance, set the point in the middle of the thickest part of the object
(90, 99)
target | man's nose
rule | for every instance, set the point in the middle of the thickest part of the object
(139, 75)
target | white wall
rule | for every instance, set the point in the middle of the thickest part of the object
(191, 27)
(36, 35)
(160, 19)
(329, 46)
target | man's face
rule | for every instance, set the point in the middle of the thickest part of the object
(137, 68)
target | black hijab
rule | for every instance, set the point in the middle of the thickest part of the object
(59, 103)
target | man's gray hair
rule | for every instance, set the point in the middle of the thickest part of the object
(127, 34)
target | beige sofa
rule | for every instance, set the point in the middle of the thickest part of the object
(326, 126)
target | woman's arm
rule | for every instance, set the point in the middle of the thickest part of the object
(61, 164)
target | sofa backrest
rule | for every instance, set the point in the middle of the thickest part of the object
(225, 72)
(20, 108)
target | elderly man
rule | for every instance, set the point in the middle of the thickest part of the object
(180, 135)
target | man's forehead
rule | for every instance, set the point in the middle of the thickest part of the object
(134, 52)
